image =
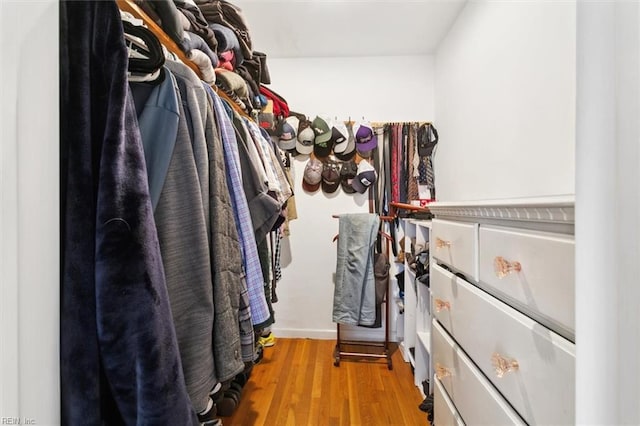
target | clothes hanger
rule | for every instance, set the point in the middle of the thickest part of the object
(145, 51)
(154, 77)
(383, 234)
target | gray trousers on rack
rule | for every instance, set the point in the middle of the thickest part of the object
(354, 299)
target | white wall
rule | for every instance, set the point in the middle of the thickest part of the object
(378, 89)
(608, 214)
(607, 369)
(29, 241)
(385, 88)
(505, 101)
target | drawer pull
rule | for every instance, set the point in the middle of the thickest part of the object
(441, 304)
(503, 267)
(503, 365)
(442, 371)
(440, 243)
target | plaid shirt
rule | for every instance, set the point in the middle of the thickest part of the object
(255, 281)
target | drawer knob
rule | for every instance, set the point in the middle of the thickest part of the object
(442, 304)
(442, 371)
(503, 365)
(440, 243)
(503, 267)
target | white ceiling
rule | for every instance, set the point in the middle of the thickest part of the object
(322, 28)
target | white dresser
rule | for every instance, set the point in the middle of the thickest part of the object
(502, 290)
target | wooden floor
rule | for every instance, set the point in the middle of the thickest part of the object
(297, 384)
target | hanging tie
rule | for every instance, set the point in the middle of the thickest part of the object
(422, 171)
(412, 165)
(416, 159)
(429, 173)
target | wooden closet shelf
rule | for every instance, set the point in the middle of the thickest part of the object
(411, 207)
(166, 41)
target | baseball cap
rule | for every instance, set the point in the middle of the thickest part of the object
(312, 176)
(330, 177)
(365, 178)
(306, 137)
(348, 172)
(350, 149)
(288, 133)
(366, 139)
(322, 143)
(339, 137)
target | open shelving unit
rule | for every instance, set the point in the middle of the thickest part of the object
(415, 341)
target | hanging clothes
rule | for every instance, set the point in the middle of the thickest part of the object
(378, 157)
(119, 361)
(223, 246)
(254, 278)
(264, 160)
(192, 303)
(277, 264)
(264, 209)
(157, 107)
(386, 207)
(271, 161)
(247, 336)
(402, 159)
(265, 262)
(291, 212)
(427, 140)
(412, 165)
(381, 267)
(395, 162)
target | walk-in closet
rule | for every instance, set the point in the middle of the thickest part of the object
(319, 212)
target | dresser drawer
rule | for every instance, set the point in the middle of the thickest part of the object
(456, 244)
(474, 397)
(534, 270)
(541, 386)
(444, 412)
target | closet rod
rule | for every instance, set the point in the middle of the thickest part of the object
(382, 123)
(165, 40)
(382, 218)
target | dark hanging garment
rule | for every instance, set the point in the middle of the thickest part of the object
(412, 189)
(119, 362)
(395, 162)
(402, 159)
(381, 267)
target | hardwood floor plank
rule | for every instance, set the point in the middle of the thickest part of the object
(354, 395)
(272, 362)
(297, 384)
(304, 382)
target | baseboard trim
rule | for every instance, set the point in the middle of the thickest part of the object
(347, 332)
